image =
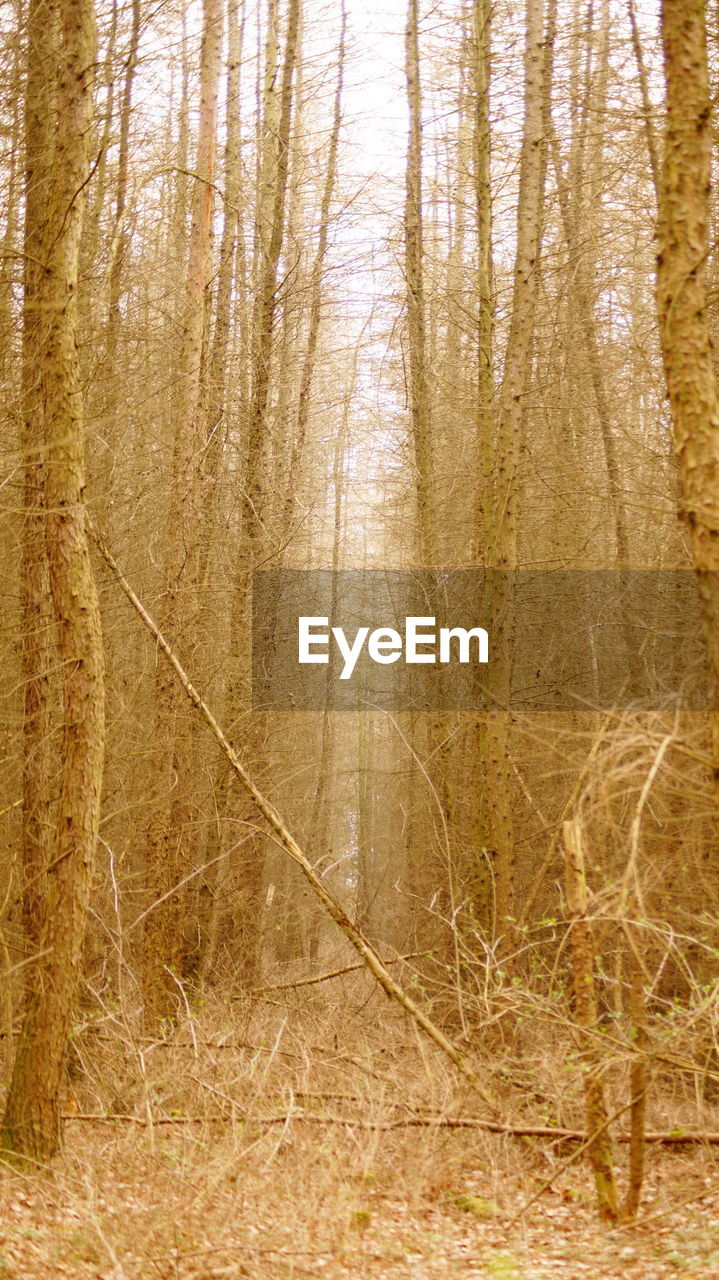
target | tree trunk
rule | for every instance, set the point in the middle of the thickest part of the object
(682, 301)
(502, 528)
(31, 1124)
(316, 295)
(419, 396)
(276, 103)
(482, 138)
(585, 1001)
(37, 633)
(170, 826)
(216, 391)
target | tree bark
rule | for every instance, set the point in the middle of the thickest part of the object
(169, 830)
(37, 616)
(273, 170)
(31, 1124)
(682, 302)
(502, 528)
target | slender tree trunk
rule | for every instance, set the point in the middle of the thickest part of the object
(170, 826)
(584, 274)
(647, 113)
(273, 169)
(13, 186)
(38, 648)
(120, 238)
(600, 1144)
(430, 849)
(502, 530)
(216, 391)
(31, 1124)
(635, 970)
(482, 140)
(270, 236)
(313, 332)
(93, 216)
(419, 394)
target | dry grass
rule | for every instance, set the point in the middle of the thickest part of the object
(260, 1140)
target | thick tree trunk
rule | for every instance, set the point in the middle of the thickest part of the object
(682, 301)
(31, 1124)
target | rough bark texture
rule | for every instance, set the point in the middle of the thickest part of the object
(31, 1124)
(682, 301)
(37, 647)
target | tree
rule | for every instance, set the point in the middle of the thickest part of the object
(63, 40)
(684, 189)
(39, 110)
(502, 500)
(170, 827)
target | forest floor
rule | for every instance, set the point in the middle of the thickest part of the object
(274, 1143)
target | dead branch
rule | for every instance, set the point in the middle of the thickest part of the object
(673, 1138)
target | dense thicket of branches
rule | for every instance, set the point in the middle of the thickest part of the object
(252, 319)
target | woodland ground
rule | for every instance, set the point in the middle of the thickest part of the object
(273, 1141)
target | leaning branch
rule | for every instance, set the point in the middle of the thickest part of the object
(287, 841)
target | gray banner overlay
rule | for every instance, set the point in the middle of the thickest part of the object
(555, 640)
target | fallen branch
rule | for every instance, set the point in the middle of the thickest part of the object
(673, 1138)
(287, 841)
(325, 977)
